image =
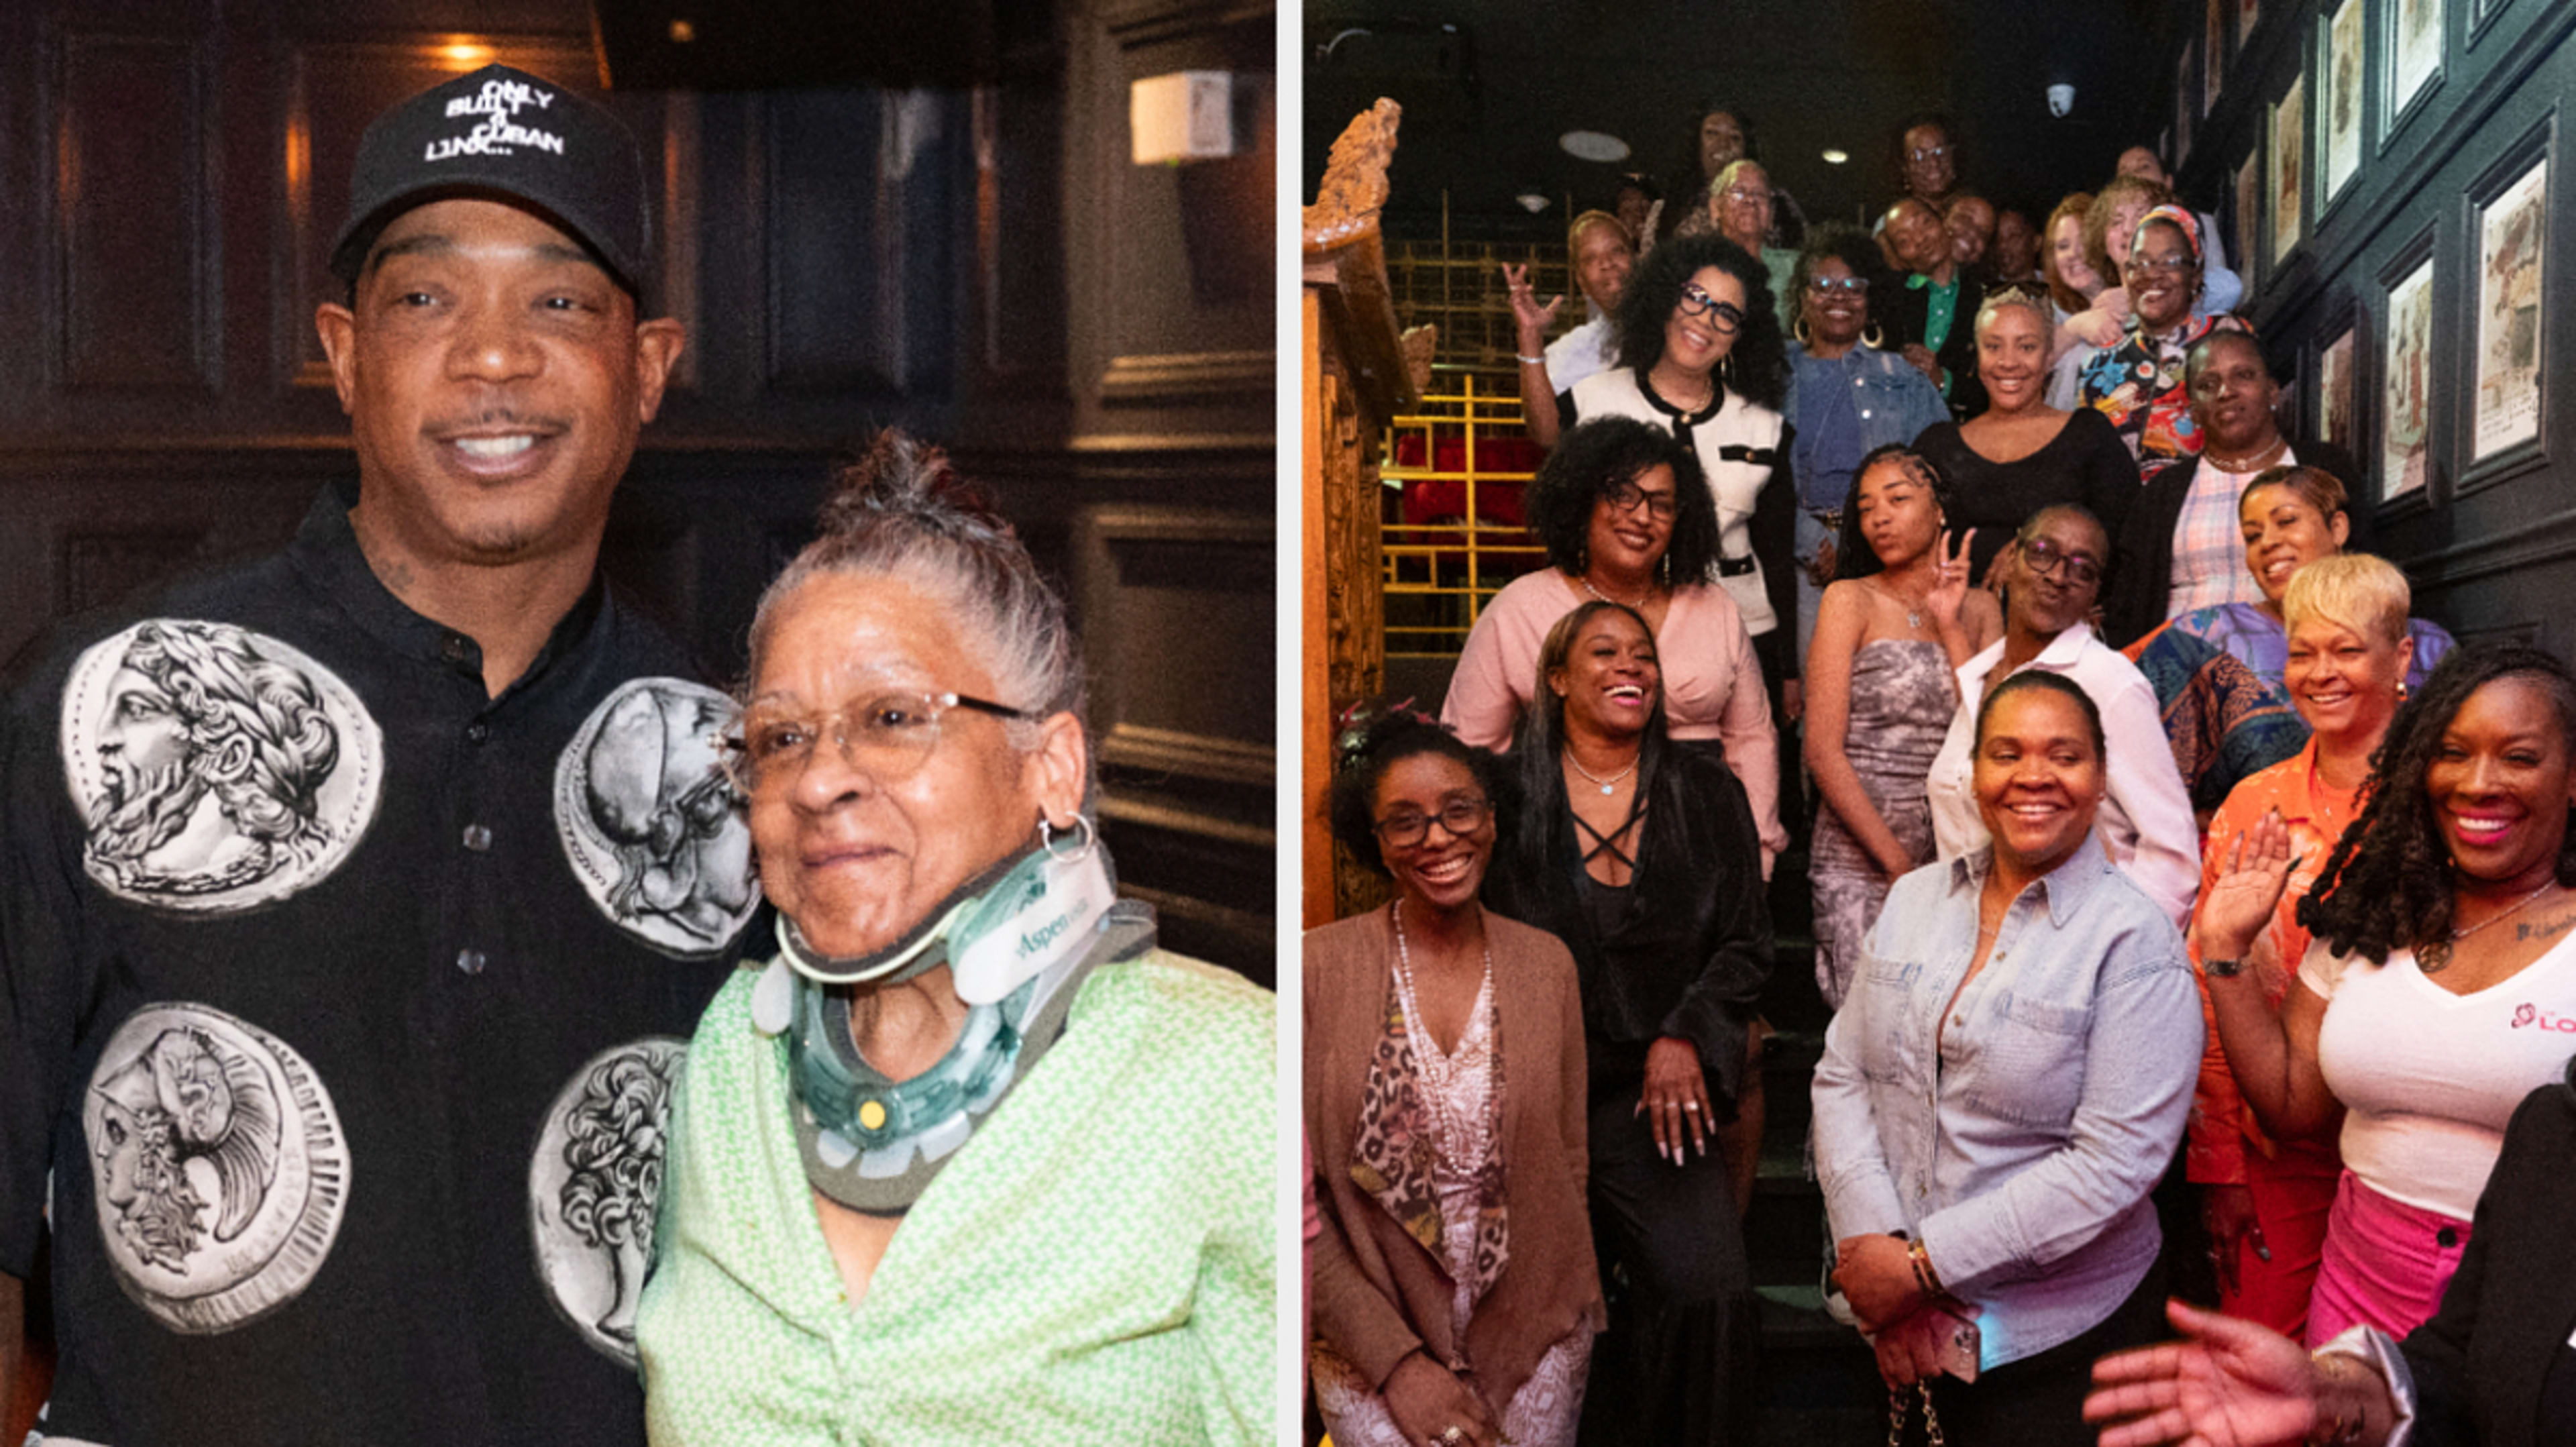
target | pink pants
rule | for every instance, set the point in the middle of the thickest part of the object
(2385, 1264)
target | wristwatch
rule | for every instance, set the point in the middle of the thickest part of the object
(2223, 969)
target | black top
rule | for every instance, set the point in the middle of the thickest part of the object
(2084, 463)
(1692, 948)
(2134, 605)
(2496, 1350)
(342, 1002)
(1908, 310)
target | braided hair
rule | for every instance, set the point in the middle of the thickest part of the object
(1853, 556)
(2387, 885)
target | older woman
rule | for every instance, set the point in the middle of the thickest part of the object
(1455, 1295)
(2020, 454)
(2180, 548)
(2412, 1015)
(2265, 1202)
(2001, 1090)
(1624, 517)
(1640, 856)
(2138, 383)
(1881, 691)
(2051, 578)
(1697, 303)
(1739, 209)
(1602, 253)
(971, 1160)
(1847, 398)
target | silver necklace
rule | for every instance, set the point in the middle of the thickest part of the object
(1913, 611)
(1467, 1139)
(1606, 784)
(2436, 957)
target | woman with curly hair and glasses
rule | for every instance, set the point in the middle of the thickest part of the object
(1641, 857)
(1454, 1292)
(1847, 396)
(1700, 356)
(2443, 923)
(1624, 517)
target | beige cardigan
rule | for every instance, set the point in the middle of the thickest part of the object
(1377, 1293)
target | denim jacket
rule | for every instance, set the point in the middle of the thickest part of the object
(2019, 1147)
(1893, 403)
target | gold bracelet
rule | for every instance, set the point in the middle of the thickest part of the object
(1924, 1275)
(2340, 1431)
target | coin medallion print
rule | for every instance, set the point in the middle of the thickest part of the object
(649, 822)
(595, 1184)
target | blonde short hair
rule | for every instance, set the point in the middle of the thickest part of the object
(1574, 234)
(2030, 301)
(2363, 593)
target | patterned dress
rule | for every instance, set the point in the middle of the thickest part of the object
(1543, 1412)
(1902, 697)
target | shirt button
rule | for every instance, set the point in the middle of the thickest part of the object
(477, 838)
(477, 731)
(2446, 1238)
(470, 961)
(453, 648)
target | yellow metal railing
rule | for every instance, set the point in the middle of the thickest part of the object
(1447, 542)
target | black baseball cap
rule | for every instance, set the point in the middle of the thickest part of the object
(503, 132)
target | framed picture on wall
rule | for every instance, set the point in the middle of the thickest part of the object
(2339, 109)
(2406, 410)
(2414, 53)
(2247, 12)
(2289, 160)
(2248, 198)
(2183, 111)
(2212, 55)
(2513, 231)
(2336, 423)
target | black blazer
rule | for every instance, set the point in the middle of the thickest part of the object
(2482, 1360)
(1909, 309)
(2142, 556)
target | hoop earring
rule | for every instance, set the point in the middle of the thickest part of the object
(1086, 836)
(1798, 330)
(1874, 339)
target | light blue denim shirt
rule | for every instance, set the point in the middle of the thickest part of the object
(2018, 1147)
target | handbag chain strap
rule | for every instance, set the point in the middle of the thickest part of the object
(1897, 1410)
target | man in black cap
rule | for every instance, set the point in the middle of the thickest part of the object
(312, 943)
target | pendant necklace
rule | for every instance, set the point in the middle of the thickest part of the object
(1585, 582)
(1606, 784)
(2436, 957)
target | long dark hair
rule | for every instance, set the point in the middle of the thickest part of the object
(2387, 883)
(1853, 556)
(1755, 367)
(1542, 839)
(1598, 456)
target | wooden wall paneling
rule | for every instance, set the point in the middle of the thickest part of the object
(1173, 298)
(1012, 385)
(136, 308)
(1176, 605)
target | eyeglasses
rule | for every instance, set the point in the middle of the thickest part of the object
(1628, 496)
(1461, 817)
(885, 735)
(1745, 194)
(1927, 153)
(2045, 558)
(1828, 285)
(1725, 315)
(2174, 265)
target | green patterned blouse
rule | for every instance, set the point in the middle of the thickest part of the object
(1096, 1266)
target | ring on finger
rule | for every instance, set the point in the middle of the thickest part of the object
(1691, 1105)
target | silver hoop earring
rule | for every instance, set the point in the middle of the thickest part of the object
(1081, 830)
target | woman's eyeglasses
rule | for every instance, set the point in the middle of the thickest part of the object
(1726, 316)
(1628, 496)
(2174, 265)
(1461, 817)
(1828, 285)
(2045, 558)
(887, 736)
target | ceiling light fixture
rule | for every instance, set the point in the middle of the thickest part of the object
(1593, 146)
(1836, 155)
(1532, 200)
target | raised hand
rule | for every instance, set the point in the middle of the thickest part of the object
(1532, 318)
(2227, 1383)
(1950, 579)
(2239, 903)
